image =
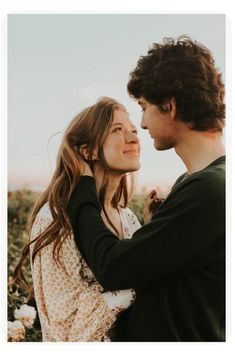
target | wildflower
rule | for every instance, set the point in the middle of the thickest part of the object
(15, 331)
(26, 314)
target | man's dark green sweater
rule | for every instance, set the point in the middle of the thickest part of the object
(176, 263)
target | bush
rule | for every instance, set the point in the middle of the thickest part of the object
(20, 204)
(136, 204)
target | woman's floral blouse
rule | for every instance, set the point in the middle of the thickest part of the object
(72, 305)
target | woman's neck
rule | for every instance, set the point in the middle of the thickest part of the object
(114, 181)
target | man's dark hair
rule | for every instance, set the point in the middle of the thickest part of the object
(184, 70)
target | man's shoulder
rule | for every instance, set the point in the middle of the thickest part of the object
(216, 167)
(214, 174)
(207, 184)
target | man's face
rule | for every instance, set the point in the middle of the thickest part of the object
(160, 125)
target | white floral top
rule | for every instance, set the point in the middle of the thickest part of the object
(73, 307)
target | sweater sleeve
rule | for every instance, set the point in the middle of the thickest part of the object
(181, 237)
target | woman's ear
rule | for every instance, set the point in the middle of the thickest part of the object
(84, 151)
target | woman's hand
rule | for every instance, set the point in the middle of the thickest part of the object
(151, 205)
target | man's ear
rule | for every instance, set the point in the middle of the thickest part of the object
(172, 108)
(169, 107)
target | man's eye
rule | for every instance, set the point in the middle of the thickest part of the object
(135, 131)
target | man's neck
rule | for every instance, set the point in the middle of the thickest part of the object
(199, 149)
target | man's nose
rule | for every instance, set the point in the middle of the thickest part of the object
(142, 124)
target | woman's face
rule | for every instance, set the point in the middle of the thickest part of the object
(122, 147)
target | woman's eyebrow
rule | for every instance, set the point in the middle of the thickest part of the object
(132, 125)
(117, 124)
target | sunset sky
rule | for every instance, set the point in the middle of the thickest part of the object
(59, 64)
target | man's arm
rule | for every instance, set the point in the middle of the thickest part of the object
(181, 237)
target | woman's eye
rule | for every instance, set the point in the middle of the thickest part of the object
(118, 129)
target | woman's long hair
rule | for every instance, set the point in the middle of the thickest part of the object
(90, 128)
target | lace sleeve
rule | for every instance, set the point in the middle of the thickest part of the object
(119, 300)
(70, 309)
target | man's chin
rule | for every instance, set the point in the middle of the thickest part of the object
(159, 147)
(155, 144)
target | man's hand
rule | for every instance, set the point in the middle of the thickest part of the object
(152, 203)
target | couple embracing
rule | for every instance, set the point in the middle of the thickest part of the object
(98, 275)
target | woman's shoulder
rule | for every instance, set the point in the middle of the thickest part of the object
(127, 211)
(45, 212)
(130, 216)
(42, 221)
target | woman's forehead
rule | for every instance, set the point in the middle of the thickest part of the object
(121, 116)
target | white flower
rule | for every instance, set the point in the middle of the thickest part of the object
(15, 331)
(26, 314)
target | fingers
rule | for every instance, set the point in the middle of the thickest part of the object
(153, 193)
(151, 205)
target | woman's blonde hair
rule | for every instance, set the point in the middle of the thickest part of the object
(90, 128)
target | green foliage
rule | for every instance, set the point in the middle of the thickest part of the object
(136, 204)
(20, 204)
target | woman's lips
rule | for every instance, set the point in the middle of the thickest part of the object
(132, 152)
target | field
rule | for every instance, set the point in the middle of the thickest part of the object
(19, 206)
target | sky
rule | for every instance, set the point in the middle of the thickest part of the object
(59, 64)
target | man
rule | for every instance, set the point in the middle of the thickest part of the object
(176, 262)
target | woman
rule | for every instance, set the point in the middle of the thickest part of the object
(72, 305)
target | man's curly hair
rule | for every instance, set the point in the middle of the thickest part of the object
(184, 70)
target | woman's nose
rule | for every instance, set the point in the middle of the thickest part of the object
(131, 137)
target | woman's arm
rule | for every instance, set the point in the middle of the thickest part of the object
(75, 309)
